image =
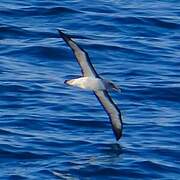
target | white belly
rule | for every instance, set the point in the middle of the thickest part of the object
(90, 83)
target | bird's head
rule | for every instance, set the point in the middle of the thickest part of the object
(70, 82)
(112, 86)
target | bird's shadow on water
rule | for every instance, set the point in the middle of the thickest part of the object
(109, 150)
(94, 155)
(116, 149)
(100, 155)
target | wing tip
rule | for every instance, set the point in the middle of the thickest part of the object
(63, 35)
(117, 131)
(60, 31)
(118, 135)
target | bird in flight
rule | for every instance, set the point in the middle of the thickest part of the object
(92, 81)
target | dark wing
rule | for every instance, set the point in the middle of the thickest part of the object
(112, 111)
(81, 56)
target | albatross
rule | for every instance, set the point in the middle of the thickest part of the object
(90, 80)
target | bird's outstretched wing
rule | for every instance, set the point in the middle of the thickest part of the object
(81, 56)
(112, 111)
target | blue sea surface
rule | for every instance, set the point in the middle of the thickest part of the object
(52, 131)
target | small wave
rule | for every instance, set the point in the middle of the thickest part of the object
(148, 21)
(63, 175)
(99, 9)
(11, 32)
(158, 166)
(8, 31)
(59, 10)
(163, 23)
(118, 48)
(34, 11)
(161, 93)
(16, 177)
(168, 151)
(42, 52)
(128, 20)
(6, 132)
(4, 88)
(22, 155)
(87, 124)
(10, 90)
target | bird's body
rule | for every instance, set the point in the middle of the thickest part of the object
(91, 81)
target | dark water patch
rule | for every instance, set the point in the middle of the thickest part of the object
(15, 89)
(7, 132)
(10, 98)
(42, 52)
(18, 177)
(7, 31)
(160, 93)
(12, 88)
(16, 32)
(105, 172)
(128, 20)
(100, 9)
(87, 124)
(133, 52)
(150, 21)
(163, 23)
(34, 11)
(10, 131)
(58, 143)
(22, 155)
(159, 167)
(167, 152)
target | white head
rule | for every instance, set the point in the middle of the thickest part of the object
(71, 82)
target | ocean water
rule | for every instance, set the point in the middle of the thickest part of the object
(51, 131)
